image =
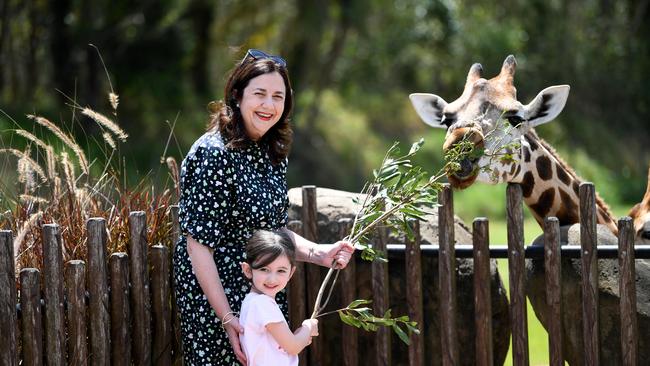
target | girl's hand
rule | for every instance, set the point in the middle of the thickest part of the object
(341, 252)
(233, 330)
(312, 325)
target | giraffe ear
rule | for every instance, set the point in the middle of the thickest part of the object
(546, 105)
(429, 107)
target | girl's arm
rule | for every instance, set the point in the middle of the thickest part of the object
(294, 342)
(206, 273)
(322, 254)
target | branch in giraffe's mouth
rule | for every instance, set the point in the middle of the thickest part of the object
(466, 176)
(467, 168)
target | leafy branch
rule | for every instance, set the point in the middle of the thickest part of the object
(362, 318)
(398, 194)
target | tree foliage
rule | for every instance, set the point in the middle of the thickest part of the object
(352, 64)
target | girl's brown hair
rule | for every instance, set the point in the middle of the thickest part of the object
(265, 246)
(226, 117)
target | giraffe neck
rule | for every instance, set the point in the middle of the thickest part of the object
(550, 187)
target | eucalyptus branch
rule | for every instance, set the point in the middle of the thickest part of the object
(362, 317)
(317, 306)
(408, 199)
(397, 190)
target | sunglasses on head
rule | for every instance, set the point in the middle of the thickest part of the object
(260, 55)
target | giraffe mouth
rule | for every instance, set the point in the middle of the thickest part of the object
(466, 175)
(466, 168)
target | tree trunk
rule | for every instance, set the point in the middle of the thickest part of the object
(31, 73)
(60, 47)
(4, 33)
(92, 70)
(202, 14)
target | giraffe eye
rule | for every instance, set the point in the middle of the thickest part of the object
(514, 120)
(448, 119)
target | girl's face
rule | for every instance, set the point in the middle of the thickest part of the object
(272, 278)
(262, 104)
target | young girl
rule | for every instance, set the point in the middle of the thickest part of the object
(267, 339)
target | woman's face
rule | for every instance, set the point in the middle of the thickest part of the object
(262, 104)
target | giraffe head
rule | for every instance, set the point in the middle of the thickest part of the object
(640, 214)
(480, 114)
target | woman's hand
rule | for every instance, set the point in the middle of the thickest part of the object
(233, 330)
(341, 252)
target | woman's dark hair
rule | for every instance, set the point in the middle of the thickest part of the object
(265, 246)
(226, 117)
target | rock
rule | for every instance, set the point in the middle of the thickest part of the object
(334, 205)
(608, 300)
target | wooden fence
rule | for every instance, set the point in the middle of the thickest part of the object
(119, 310)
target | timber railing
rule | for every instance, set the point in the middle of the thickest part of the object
(120, 310)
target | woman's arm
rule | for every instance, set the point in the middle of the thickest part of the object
(323, 254)
(208, 277)
(294, 342)
(206, 272)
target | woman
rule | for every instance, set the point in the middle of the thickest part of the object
(233, 182)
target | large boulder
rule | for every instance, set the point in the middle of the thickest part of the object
(334, 205)
(608, 300)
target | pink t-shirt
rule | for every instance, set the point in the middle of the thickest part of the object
(261, 349)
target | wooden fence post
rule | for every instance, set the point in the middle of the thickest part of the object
(53, 281)
(482, 294)
(120, 310)
(310, 232)
(8, 347)
(162, 332)
(517, 268)
(140, 299)
(75, 283)
(349, 294)
(589, 260)
(297, 298)
(553, 277)
(31, 319)
(627, 277)
(97, 279)
(447, 274)
(413, 261)
(380, 295)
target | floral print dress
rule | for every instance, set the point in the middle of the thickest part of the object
(226, 194)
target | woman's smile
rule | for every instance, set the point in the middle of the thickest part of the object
(264, 116)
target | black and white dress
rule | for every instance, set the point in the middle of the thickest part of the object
(226, 194)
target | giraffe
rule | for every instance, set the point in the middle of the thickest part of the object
(640, 213)
(549, 185)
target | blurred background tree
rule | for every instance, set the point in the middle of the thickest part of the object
(352, 63)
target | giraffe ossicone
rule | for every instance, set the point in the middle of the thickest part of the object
(489, 114)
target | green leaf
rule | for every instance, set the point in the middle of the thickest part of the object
(349, 320)
(400, 333)
(386, 178)
(356, 303)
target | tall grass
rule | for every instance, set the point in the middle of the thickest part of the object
(54, 180)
